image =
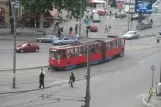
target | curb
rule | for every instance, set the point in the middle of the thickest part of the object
(145, 103)
(1, 70)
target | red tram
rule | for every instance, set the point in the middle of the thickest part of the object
(68, 57)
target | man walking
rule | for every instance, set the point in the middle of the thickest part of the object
(106, 28)
(71, 79)
(76, 28)
(70, 31)
(109, 28)
(41, 79)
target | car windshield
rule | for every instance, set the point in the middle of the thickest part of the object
(23, 45)
(129, 33)
(61, 38)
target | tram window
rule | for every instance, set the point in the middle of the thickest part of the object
(62, 54)
(97, 47)
(119, 42)
(93, 49)
(78, 51)
(70, 53)
(84, 50)
(122, 41)
(108, 46)
(111, 45)
(114, 44)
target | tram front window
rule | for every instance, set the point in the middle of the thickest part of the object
(57, 54)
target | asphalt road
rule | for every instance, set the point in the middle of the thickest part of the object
(118, 83)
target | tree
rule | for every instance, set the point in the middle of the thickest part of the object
(42, 6)
(37, 6)
(74, 7)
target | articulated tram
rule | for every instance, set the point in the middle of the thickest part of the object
(67, 57)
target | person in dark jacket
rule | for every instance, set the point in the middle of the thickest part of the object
(71, 79)
(76, 28)
(70, 31)
(41, 79)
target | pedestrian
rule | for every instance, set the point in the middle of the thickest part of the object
(41, 79)
(76, 28)
(109, 28)
(87, 33)
(106, 28)
(70, 31)
(71, 79)
(151, 20)
(59, 32)
(110, 12)
(12, 25)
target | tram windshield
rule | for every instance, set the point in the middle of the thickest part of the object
(57, 54)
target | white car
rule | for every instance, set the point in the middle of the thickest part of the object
(131, 35)
(96, 18)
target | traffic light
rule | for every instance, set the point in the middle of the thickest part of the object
(158, 40)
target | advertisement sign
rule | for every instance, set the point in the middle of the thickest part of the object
(143, 6)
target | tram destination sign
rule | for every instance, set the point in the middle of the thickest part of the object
(143, 6)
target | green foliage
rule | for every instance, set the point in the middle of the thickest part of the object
(42, 6)
(37, 6)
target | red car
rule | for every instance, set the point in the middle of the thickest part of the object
(93, 28)
(101, 12)
(28, 47)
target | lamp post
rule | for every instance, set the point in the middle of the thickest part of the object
(80, 20)
(14, 5)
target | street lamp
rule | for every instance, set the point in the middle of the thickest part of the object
(15, 4)
(80, 18)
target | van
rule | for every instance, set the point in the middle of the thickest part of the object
(129, 10)
(96, 18)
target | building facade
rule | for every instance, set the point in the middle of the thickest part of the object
(5, 12)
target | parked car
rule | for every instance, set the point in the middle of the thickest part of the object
(121, 14)
(101, 12)
(93, 28)
(47, 39)
(96, 18)
(65, 41)
(160, 32)
(131, 35)
(136, 16)
(28, 47)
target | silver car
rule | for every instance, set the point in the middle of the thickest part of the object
(65, 40)
(131, 35)
(47, 39)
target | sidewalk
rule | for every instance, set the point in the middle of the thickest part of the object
(154, 102)
(24, 84)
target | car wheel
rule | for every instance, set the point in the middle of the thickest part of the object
(22, 51)
(40, 41)
(36, 50)
(59, 43)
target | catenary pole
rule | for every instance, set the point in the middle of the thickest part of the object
(14, 45)
(80, 19)
(87, 98)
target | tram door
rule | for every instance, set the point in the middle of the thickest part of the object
(103, 51)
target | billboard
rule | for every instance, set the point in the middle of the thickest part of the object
(143, 6)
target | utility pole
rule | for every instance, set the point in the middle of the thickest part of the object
(87, 98)
(14, 5)
(160, 71)
(80, 20)
(129, 16)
